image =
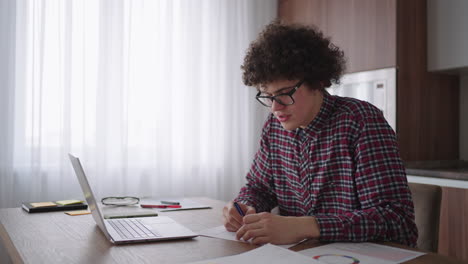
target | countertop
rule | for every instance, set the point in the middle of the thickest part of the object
(442, 169)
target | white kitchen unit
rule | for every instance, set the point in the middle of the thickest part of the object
(438, 181)
(447, 35)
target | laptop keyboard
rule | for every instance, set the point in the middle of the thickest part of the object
(131, 228)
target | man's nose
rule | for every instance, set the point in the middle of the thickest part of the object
(275, 106)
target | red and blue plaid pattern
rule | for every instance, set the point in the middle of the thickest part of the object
(344, 169)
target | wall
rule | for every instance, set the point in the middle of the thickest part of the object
(464, 116)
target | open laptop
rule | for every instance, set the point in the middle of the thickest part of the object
(129, 230)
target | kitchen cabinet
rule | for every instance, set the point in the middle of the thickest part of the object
(363, 29)
(453, 225)
(447, 35)
(392, 33)
(453, 230)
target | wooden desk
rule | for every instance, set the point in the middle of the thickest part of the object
(59, 238)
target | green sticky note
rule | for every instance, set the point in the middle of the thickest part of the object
(67, 202)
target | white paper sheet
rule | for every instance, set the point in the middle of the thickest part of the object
(365, 253)
(221, 232)
(267, 254)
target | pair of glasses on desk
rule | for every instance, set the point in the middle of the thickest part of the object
(120, 200)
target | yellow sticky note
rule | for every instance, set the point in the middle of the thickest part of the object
(43, 204)
(66, 202)
(78, 212)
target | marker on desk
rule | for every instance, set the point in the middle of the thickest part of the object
(160, 206)
(239, 209)
(170, 202)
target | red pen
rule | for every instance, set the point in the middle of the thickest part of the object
(160, 206)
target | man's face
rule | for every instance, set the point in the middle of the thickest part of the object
(307, 103)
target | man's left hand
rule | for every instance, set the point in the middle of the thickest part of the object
(265, 228)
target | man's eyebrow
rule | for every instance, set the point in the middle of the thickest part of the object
(279, 90)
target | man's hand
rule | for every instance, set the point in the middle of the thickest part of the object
(265, 228)
(232, 219)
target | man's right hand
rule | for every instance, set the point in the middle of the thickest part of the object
(232, 219)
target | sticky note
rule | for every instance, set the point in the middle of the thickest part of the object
(43, 204)
(78, 212)
(66, 202)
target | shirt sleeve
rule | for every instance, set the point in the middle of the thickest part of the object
(386, 210)
(258, 190)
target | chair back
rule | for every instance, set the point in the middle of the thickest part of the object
(427, 199)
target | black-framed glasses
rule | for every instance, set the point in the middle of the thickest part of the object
(120, 200)
(282, 98)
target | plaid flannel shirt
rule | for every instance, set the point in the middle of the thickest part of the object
(344, 169)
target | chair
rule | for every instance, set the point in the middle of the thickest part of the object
(427, 199)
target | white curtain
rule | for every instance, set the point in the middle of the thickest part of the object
(148, 94)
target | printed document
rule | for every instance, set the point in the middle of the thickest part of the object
(221, 232)
(362, 253)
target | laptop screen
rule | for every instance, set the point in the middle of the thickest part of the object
(89, 196)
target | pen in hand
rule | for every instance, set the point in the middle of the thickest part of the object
(239, 209)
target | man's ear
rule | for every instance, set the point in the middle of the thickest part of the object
(325, 84)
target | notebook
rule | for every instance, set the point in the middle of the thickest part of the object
(129, 230)
(30, 207)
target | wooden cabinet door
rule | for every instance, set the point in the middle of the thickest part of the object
(364, 29)
(453, 231)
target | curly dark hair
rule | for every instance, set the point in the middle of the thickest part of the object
(292, 52)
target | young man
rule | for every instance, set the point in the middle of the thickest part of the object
(330, 164)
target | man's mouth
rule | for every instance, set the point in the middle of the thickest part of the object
(282, 118)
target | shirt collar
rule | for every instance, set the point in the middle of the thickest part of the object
(314, 128)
